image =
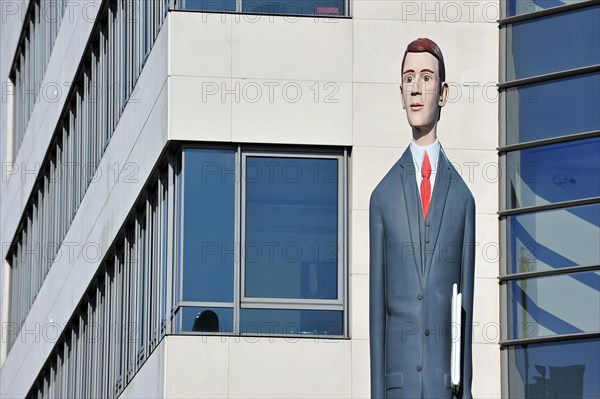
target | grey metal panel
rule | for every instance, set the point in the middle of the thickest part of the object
(237, 263)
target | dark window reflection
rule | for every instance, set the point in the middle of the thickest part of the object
(281, 322)
(291, 245)
(553, 173)
(202, 319)
(536, 310)
(554, 239)
(209, 212)
(539, 111)
(568, 369)
(554, 43)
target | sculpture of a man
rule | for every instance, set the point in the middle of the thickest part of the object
(422, 233)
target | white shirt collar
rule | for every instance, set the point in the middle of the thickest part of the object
(418, 153)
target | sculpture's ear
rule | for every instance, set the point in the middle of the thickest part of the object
(402, 96)
(443, 94)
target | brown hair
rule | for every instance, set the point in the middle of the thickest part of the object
(425, 45)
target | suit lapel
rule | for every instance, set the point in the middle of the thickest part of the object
(436, 209)
(409, 184)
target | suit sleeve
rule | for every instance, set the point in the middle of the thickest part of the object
(377, 312)
(467, 286)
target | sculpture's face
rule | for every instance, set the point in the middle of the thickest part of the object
(421, 96)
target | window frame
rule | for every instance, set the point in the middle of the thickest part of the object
(290, 303)
(181, 5)
(240, 301)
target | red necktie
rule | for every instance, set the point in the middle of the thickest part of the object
(425, 184)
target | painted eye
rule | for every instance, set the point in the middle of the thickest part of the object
(426, 78)
(408, 79)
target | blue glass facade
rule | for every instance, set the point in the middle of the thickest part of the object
(550, 211)
(542, 45)
(567, 369)
(551, 173)
(539, 111)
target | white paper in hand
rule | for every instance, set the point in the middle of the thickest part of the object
(456, 332)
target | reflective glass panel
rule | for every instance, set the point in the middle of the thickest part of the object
(277, 322)
(553, 173)
(544, 45)
(520, 7)
(294, 7)
(201, 319)
(567, 369)
(554, 305)
(210, 5)
(539, 111)
(554, 239)
(208, 223)
(291, 242)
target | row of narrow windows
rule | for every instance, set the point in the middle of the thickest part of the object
(227, 240)
(110, 68)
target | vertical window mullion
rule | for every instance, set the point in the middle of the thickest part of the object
(121, 320)
(134, 305)
(122, 64)
(104, 325)
(97, 342)
(146, 278)
(84, 134)
(38, 59)
(171, 240)
(70, 369)
(87, 361)
(112, 65)
(148, 275)
(163, 253)
(141, 297)
(110, 332)
(155, 262)
(124, 314)
(237, 273)
(92, 342)
(77, 358)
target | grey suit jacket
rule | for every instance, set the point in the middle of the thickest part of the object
(413, 265)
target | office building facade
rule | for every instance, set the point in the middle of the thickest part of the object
(185, 191)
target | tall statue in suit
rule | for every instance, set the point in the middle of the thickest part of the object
(422, 233)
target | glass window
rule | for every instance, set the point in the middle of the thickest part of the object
(281, 322)
(203, 319)
(520, 7)
(538, 310)
(210, 5)
(287, 236)
(294, 7)
(554, 239)
(291, 228)
(543, 45)
(282, 7)
(553, 173)
(567, 369)
(539, 111)
(208, 225)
